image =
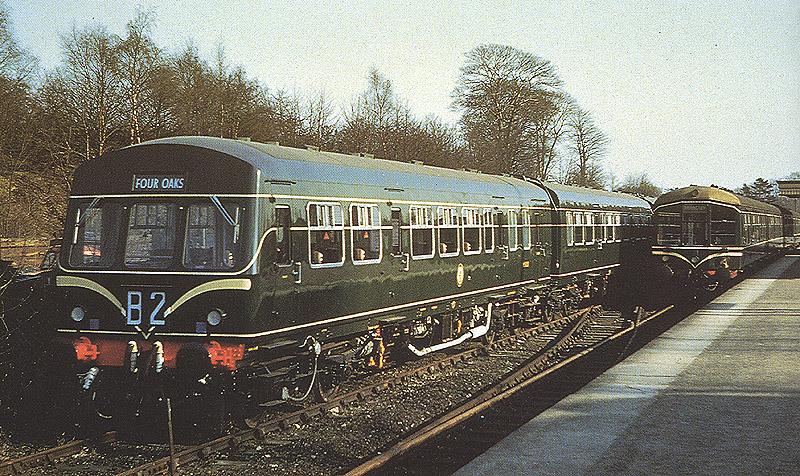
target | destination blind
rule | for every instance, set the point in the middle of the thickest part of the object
(159, 183)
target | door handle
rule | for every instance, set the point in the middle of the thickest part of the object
(406, 262)
(296, 271)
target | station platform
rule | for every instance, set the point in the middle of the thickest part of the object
(717, 394)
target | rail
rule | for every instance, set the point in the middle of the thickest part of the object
(24, 464)
(532, 372)
(202, 451)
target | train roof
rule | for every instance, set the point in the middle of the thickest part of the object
(336, 174)
(698, 193)
(569, 195)
(329, 174)
(788, 212)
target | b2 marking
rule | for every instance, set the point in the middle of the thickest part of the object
(135, 303)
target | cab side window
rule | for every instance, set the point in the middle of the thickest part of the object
(95, 236)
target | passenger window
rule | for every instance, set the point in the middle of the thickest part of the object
(588, 229)
(569, 228)
(448, 231)
(597, 219)
(488, 230)
(151, 236)
(283, 235)
(608, 235)
(365, 229)
(421, 232)
(472, 230)
(526, 229)
(211, 241)
(325, 234)
(578, 217)
(512, 230)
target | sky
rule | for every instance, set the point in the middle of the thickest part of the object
(688, 92)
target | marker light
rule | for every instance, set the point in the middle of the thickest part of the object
(77, 314)
(215, 317)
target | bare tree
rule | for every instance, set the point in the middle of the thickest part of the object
(233, 97)
(192, 79)
(320, 121)
(439, 145)
(377, 104)
(15, 64)
(640, 185)
(15, 127)
(140, 65)
(369, 121)
(500, 91)
(587, 143)
(286, 119)
(543, 135)
(91, 83)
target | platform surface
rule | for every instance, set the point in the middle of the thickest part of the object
(718, 394)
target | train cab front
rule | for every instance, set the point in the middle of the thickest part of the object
(154, 284)
(697, 243)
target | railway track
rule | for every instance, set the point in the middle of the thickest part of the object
(454, 438)
(559, 344)
(540, 335)
(548, 349)
(262, 431)
(24, 464)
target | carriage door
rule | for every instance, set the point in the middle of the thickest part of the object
(695, 225)
(525, 236)
(286, 268)
(540, 245)
(401, 259)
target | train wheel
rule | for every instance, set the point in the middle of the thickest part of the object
(306, 372)
(104, 397)
(326, 386)
(495, 326)
(197, 394)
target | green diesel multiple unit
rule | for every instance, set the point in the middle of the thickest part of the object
(706, 234)
(289, 267)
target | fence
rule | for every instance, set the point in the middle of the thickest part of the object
(25, 254)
